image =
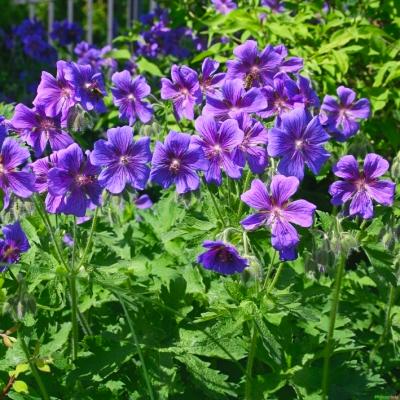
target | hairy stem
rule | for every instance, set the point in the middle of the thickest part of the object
(276, 278)
(250, 363)
(137, 344)
(90, 240)
(332, 321)
(245, 185)
(32, 366)
(216, 206)
(74, 316)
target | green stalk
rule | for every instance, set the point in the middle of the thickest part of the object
(74, 316)
(45, 218)
(332, 321)
(276, 277)
(32, 366)
(216, 206)
(245, 185)
(90, 240)
(137, 344)
(250, 363)
(269, 271)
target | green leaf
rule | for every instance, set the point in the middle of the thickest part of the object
(212, 381)
(145, 65)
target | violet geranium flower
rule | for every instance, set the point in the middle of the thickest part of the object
(292, 64)
(219, 142)
(12, 245)
(38, 128)
(75, 180)
(253, 67)
(222, 258)
(224, 6)
(209, 80)
(128, 94)
(234, 100)
(13, 180)
(362, 187)
(176, 161)
(124, 160)
(275, 210)
(56, 95)
(299, 141)
(280, 97)
(184, 91)
(341, 115)
(89, 86)
(143, 202)
(251, 149)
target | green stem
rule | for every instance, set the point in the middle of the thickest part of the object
(269, 271)
(33, 368)
(246, 184)
(137, 344)
(250, 363)
(90, 240)
(45, 218)
(74, 316)
(276, 277)
(216, 206)
(392, 297)
(332, 321)
(74, 238)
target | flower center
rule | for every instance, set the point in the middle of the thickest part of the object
(184, 91)
(47, 124)
(224, 255)
(66, 92)
(217, 149)
(131, 96)
(2, 169)
(360, 185)
(175, 165)
(82, 180)
(124, 160)
(298, 144)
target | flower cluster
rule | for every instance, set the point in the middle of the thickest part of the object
(161, 39)
(230, 110)
(33, 37)
(66, 32)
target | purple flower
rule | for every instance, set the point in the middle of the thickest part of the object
(275, 5)
(251, 150)
(73, 182)
(219, 141)
(29, 27)
(38, 49)
(56, 95)
(224, 6)
(362, 187)
(143, 202)
(234, 100)
(128, 93)
(37, 128)
(41, 168)
(68, 240)
(65, 32)
(253, 67)
(275, 210)
(14, 243)
(280, 97)
(341, 116)
(13, 156)
(306, 96)
(176, 162)
(299, 141)
(124, 160)
(89, 86)
(293, 64)
(209, 80)
(184, 91)
(222, 258)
